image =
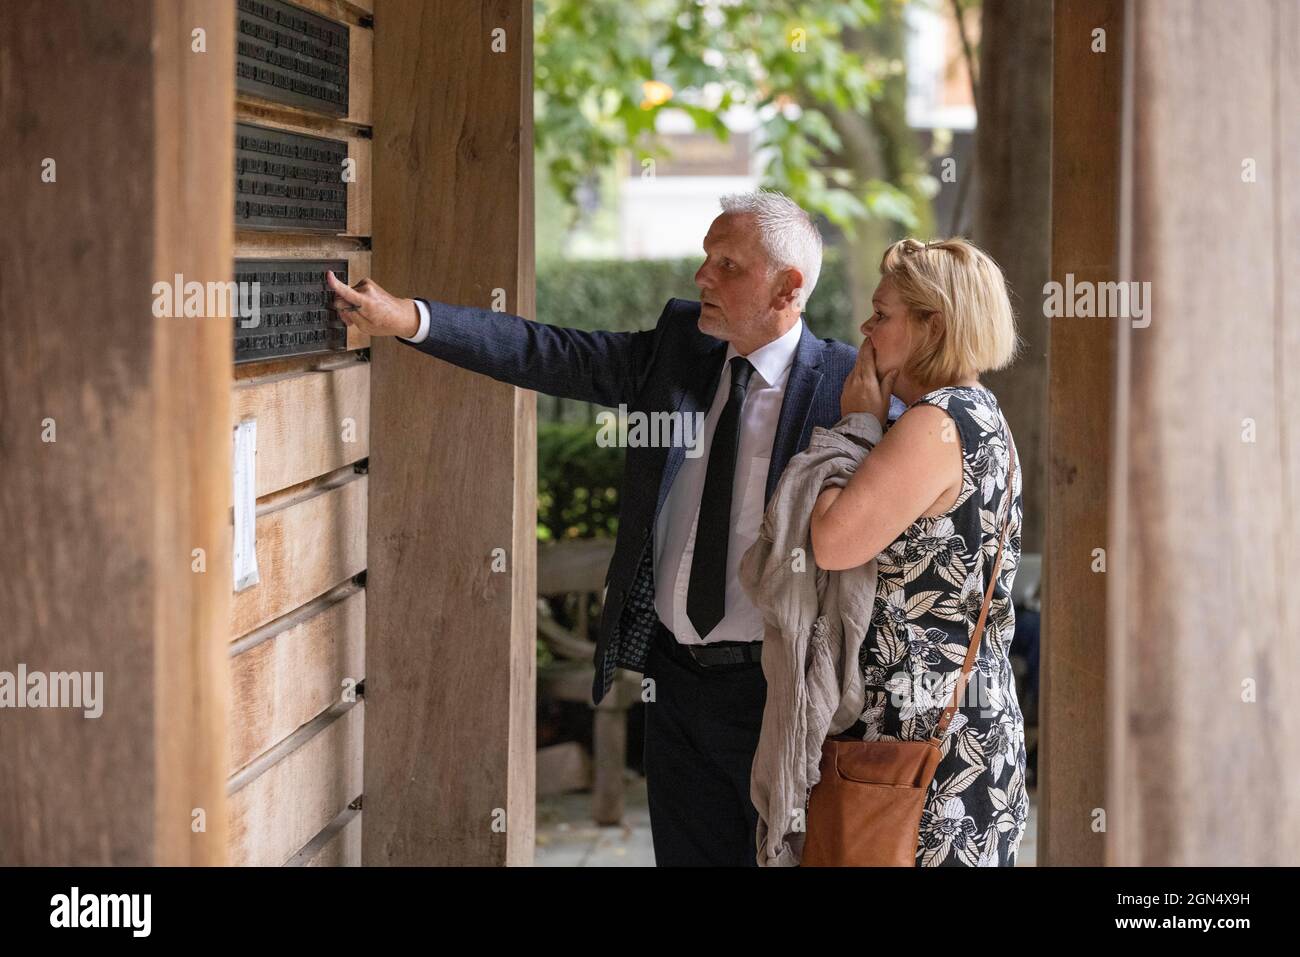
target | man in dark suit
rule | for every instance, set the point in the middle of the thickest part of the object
(743, 365)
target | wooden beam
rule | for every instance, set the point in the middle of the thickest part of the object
(450, 652)
(1204, 615)
(1085, 189)
(101, 525)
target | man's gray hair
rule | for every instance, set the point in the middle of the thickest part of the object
(786, 232)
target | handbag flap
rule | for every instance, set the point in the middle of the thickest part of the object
(891, 763)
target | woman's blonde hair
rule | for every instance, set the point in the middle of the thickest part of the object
(961, 283)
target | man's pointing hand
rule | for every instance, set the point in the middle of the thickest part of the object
(372, 310)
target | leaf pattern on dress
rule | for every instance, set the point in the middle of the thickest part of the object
(930, 585)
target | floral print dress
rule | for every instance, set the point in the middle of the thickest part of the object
(930, 586)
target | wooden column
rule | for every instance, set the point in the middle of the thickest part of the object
(1085, 180)
(116, 427)
(450, 671)
(1204, 609)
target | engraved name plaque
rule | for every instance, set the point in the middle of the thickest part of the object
(292, 56)
(289, 181)
(293, 314)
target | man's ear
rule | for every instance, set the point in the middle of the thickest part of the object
(791, 283)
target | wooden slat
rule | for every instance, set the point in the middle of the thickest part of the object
(359, 191)
(452, 668)
(304, 548)
(339, 845)
(295, 672)
(320, 361)
(361, 76)
(276, 813)
(345, 11)
(265, 244)
(308, 423)
(250, 108)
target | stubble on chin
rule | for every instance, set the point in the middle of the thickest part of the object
(712, 326)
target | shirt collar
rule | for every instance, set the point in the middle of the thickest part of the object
(773, 361)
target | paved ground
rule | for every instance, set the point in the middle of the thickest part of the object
(566, 836)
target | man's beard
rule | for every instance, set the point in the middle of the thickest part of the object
(712, 323)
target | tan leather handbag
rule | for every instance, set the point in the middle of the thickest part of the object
(865, 811)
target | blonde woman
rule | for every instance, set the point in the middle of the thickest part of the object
(926, 504)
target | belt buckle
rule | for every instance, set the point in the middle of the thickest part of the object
(698, 655)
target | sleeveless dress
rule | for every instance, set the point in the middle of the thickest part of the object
(929, 590)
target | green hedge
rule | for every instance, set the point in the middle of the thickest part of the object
(626, 296)
(577, 482)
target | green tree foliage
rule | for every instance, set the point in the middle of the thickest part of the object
(605, 69)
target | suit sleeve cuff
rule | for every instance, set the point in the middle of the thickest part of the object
(423, 332)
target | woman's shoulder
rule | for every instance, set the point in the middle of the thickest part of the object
(975, 407)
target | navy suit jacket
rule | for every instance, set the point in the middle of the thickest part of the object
(672, 367)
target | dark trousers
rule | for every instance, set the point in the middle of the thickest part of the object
(701, 731)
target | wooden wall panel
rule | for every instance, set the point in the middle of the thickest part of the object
(311, 526)
(286, 674)
(277, 809)
(251, 244)
(360, 61)
(100, 525)
(308, 423)
(1080, 432)
(305, 546)
(251, 110)
(1205, 618)
(339, 845)
(450, 667)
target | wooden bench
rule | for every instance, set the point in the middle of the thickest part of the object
(578, 568)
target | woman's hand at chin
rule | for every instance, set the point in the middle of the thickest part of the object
(865, 389)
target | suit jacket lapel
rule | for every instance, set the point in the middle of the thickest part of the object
(805, 376)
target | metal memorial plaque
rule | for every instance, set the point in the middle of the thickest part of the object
(289, 180)
(292, 315)
(292, 56)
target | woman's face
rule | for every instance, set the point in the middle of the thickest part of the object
(891, 328)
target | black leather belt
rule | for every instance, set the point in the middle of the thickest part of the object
(726, 653)
(714, 653)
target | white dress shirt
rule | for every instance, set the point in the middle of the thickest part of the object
(675, 527)
(423, 332)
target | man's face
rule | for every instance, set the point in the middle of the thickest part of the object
(739, 289)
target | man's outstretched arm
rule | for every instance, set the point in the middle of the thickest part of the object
(602, 367)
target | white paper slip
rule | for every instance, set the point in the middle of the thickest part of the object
(245, 470)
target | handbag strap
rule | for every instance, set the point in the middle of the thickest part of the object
(973, 649)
